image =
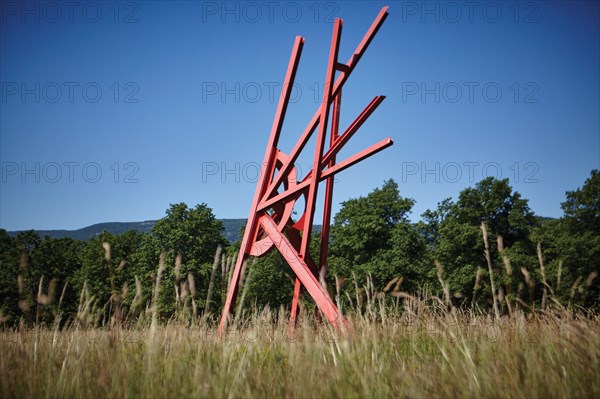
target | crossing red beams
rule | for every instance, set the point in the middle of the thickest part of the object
(269, 223)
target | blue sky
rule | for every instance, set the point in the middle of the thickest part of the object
(111, 111)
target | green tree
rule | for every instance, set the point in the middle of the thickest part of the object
(582, 206)
(9, 269)
(571, 246)
(96, 269)
(26, 243)
(143, 266)
(460, 245)
(372, 236)
(269, 282)
(36, 274)
(429, 226)
(55, 261)
(503, 210)
(107, 265)
(193, 234)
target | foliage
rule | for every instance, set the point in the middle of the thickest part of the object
(269, 282)
(9, 267)
(460, 245)
(572, 245)
(582, 206)
(372, 236)
(535, 262)
(193, 234)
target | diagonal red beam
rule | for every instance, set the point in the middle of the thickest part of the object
(296, 190)
(303, 272)
(351, 64)
(270, 153)
(340, 166)
(295, 301)
(338, 143)
(367, 152)
(286, 91)
(268, 162)
(368, 37)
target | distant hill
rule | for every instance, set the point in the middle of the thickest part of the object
(231, 233)
(233, 227)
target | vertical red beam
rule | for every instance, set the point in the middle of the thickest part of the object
(294, 310)
(324, 247)
(265, 178)
(323, 121)
(323, 115)
(294, 238)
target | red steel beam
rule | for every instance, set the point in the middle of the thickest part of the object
(324, 245)
(318, 155)
(303, 272)
(340, 166)
(293, 236)
(367, 152)
(354, 126)
(268, 164)
(295, 300)
(351, 64)
(347, 135)
(295, 249)
(339, 142)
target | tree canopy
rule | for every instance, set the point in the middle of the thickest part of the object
(485, 249)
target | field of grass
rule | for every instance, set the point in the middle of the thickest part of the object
(421, 351)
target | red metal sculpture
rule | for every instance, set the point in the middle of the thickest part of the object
(270, 221)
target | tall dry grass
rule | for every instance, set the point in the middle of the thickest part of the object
(426, 351)
(400, 345)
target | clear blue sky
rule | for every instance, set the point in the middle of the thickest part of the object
(171, 102)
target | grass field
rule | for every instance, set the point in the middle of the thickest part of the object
(421, 351)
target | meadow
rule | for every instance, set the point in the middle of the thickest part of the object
(427, 315)
(420, 349)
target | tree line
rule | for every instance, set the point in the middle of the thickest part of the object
(487, 251)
